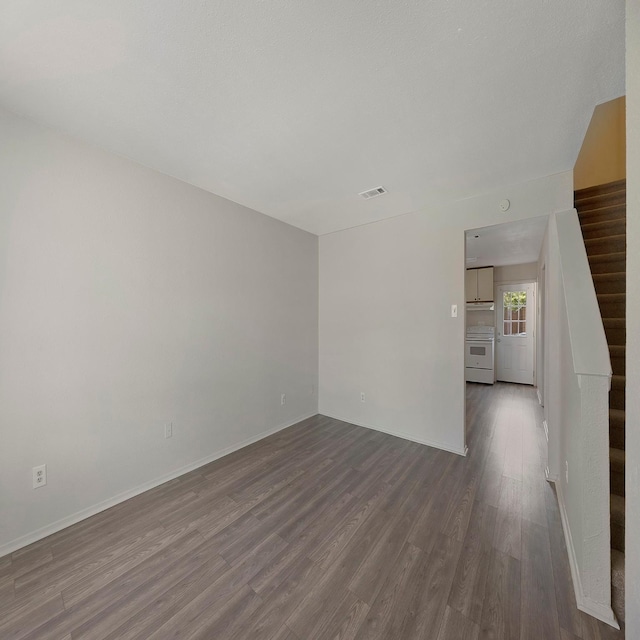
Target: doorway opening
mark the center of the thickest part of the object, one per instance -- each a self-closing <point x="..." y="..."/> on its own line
<point x="508" y="318"/>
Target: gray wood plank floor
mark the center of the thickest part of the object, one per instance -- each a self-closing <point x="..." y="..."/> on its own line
<point x="324" y="530"/>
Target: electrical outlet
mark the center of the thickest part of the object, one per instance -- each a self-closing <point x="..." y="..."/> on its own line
<point x="39" y="476"/>
<point x="566" y="470"/>
<point x="362" y="397"/>
<point x="283" y="399"/>
<point x="168" y="430"/>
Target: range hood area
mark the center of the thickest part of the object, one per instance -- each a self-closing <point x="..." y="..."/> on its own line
<point x="480" y="306"/>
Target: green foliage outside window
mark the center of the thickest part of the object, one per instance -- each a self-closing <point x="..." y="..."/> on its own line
<point x="515" y="299"/>
<point x="514" y="304"/>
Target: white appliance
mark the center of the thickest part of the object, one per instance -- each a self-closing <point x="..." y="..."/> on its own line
<point x="479" y="354"/>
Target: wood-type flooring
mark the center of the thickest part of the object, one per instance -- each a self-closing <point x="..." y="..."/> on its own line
<point x="323" y="530"/>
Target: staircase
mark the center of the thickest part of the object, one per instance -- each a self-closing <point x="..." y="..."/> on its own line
<point x="602" y="214"/>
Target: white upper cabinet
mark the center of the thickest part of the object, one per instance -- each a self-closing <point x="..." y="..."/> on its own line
<point x="478" y="284"/>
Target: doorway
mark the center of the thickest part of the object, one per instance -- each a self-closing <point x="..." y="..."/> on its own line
<point x="515" y="333"/>
<point x="513" y="249"/>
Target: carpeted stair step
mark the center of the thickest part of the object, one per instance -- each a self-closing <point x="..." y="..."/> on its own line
<point x="617" y="352"/>
<point x="612" y="305"/>
<point x="598" y="189"/>
<point x="617" y="583"/>
<point x="610" y="282"/>
<point x="617" y="522"/>
<point x="599" y="201"/>
<point x="608" y="263"/>
<point x="616" y="457"/>
<point x="615" y="330"/>
<point x="609" y="227"/>
<point x="602" y="214"/>
<point x="616" y="395"/>
<point x="616" y="428"/>
<point x="609" y="244"/>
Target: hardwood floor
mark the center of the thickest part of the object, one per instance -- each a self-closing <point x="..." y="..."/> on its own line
<point x="324" y="530"/>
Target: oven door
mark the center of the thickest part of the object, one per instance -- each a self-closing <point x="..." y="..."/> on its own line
<point x="479" y="354"/>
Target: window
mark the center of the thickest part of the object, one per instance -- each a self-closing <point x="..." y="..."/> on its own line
<point x="478" y="351"/>
<point x="514" y="305"/>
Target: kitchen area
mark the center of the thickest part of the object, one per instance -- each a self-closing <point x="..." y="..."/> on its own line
<point x="500" y="323"/>
<point x="501" y="301"/>
<point x="479" y="355"/>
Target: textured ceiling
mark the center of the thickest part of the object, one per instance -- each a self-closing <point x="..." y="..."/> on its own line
<point x="293" y="108"/>
<point x="517" y="242"/>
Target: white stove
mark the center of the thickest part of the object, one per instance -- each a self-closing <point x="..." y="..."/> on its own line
<point x="479" y="354"/>
<point x="480" y="332"/>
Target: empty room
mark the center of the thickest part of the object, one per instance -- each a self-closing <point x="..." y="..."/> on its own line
<point x="316" y="320"/>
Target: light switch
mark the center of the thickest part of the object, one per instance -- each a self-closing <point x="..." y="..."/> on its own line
<point x="454" y="310"/>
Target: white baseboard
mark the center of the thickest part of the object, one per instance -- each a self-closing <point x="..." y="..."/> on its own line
<point x="63" y="523"/>
<point x="545" y="426"/>
<point x="596" y="609"/>
<point x="401" y="434"/>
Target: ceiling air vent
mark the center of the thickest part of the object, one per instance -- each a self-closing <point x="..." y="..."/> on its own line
<point x="373" y="193"/>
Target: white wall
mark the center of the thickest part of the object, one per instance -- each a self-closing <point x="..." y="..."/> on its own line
<point x="129" y="299"/>
<point x="576" y="408"/>
<point x="516" y="273"/>
<point x="632" y="556"/>
<point x="385" y="327"/>
<point x="549" y="346"/>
